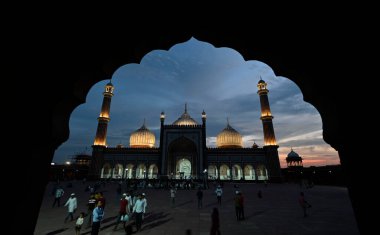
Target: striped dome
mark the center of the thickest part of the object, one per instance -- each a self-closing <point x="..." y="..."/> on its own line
<point x="142" y="138"/>
<point x="229" y="138"/>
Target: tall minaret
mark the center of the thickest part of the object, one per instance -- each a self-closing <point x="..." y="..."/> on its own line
<point x="161" y="164"/>
<point x="104" y="117"/>
<point x="266" y="115"/>
<point x="97" y="160"/>
<point x="270" y="144"/>
<point x="204" y="147"/>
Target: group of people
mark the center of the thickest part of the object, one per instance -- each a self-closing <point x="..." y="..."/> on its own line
<point x="131" y="207"/>
<point x="135" y="207"/>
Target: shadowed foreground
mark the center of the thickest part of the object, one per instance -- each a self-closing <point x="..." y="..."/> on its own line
<point x="277" y="213"/>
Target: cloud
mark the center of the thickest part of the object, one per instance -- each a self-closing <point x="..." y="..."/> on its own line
<point x="216" y="80"/>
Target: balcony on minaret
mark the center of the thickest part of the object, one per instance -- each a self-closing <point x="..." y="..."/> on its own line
<point x="266" y="114"/>
<point x="104" y="115"/>
<point x="100" y="142"/>
<point x="270" y="142"/>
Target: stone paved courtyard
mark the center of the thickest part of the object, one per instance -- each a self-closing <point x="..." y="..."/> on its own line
<point x="277" y="213"/>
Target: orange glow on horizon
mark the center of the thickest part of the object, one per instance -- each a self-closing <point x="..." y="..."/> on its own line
<point x="311" y="155"/>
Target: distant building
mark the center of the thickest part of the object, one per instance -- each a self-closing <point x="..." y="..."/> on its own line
<point x="293" y="160"/>
<point x="182" y="152"/>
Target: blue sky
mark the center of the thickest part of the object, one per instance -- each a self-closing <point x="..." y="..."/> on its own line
<point x="217" y="80"/>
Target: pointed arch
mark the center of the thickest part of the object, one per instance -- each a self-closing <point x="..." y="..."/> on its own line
<point x="106" y="171"/>
<point x="249" y="172"/>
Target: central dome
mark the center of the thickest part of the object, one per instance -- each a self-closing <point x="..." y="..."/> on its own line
<point x="185" y="119"/>
<point x="142" y="138"/>
<point x="229" y="138"/>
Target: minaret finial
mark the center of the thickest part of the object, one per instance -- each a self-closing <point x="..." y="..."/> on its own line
<point x="185" y="107"/>
<point x="228" y="121"/>
<point x="144" y="122"/>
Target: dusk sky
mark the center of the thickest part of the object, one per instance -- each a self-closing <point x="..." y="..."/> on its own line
<point x="217" y="80"/>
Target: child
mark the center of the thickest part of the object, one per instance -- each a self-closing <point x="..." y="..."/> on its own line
<point x="78" y="224"/>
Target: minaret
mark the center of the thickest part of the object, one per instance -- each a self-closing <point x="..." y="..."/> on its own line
<point x="266" y="115"/>
<point x="162" y="119"/>
<point x="100" y="144"/>
<point x="160" y="162"/>
<point x="270" y="144"/>
<point x="204" y="147"/>
<point x="104" y="117"/>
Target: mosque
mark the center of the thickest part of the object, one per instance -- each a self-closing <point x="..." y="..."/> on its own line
<point x="182" y="152"/>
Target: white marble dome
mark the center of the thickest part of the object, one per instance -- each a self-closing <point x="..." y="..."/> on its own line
<point x="229" y="138"/>
<point x="142" y="138"/>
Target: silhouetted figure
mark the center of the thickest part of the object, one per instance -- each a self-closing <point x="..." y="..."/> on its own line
<point x="90" y="207"/>
<point x="200" y="197"/>
<point x="237" y="205"/>
<point x="259" y="194"/>
<point x="215" y="225"/>
<point x="241" y="201"/>
<point x="58" y="193"/>
<point x="303" y="203"/>
<point x="219" y="193"/>
<point x="173" y="192"/>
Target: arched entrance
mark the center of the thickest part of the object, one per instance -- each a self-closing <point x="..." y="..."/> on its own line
<point x="183" y="168"/>
<point x="237" y="173"/>
<point x="262" y="173"/>
<point x="153" y="171"/>
<point x="118" y="171"/>
<point x="182" y="158"/>
<point x="249" y="173"/>
<point x="224" y="172"/>
<point x="106" y="171"/>
<point x="129" y="171"/>
<point x="212" y="172"/>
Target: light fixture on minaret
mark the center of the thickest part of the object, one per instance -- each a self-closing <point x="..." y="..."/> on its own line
<point x="104" y="117"/>
<point x="266" y="115"/>
<point x="162" y="117"/>
<point x="204" y="117"/>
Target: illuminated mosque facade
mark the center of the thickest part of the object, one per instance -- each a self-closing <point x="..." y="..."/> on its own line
<point x="182" y="152"/>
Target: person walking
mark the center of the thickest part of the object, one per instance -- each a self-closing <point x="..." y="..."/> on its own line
<point x="303" y="203"/>
<point x="200" y="197"/>
<point x="130" y="201"/>
<point x="72" y="206"/>
<point x="123" y="210"/>
<point x="219" y="193"/>
<point x="143" y="197"/>
<point x="215" y="223"/>
<point x="138" y="209"/>
<point x="237" y="205"/>
<point x="173" y="192"/>
<point x="90" y="207"/>
<point x="241" y="201"/>
<point x="259" y="194"/>
<point x="78" y="224"/>
<point x="97" y="216"/>
<point x="58" y="195"/>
